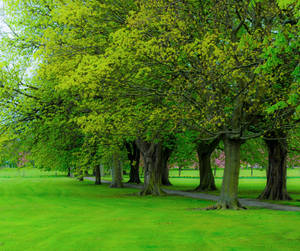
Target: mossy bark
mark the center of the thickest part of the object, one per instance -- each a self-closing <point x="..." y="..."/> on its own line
<point x="151" y="153"/>
<point x="133" y="154"/>
<point x="97" y="175"/>
<point x="204" y="151"/>
<point x="276" y="172"/>
<point x="116" y="172"/>
<point x="229" y="191"/>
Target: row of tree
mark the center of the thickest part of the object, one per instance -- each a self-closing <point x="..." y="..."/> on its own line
<point x="87" y="83"/>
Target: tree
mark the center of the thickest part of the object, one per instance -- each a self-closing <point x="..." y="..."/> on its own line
<point x="204" y="152"/>
<point x="134" y="157"/>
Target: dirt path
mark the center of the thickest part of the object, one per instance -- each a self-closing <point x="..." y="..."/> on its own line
<point x="210" y="197"/>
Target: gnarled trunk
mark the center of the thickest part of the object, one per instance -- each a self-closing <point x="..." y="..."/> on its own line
<point x="97" y="175"/>
<point x="116" y="172"/>
<point x="229" y="191"/>
<point x="276" y="171"/>
<point x="151" y="153"/>
<point x="166" y="154"/>
<point x="134" y="157"/>
<point x="204" y="151"/>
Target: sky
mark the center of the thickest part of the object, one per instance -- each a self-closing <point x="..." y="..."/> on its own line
<point x="3" y="27"/>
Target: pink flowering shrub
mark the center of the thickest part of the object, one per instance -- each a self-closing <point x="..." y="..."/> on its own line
<point x="22" y="160"/>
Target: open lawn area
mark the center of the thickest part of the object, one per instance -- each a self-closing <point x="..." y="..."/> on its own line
<point x="43" y="212"/>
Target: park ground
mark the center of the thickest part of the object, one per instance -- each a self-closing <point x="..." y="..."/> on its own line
<point x="48" y="211"/>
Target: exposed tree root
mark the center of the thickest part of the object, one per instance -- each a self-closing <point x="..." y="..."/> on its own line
<point x="206" y="188"/>
<point x="152" y="191"/>
<point x="226" y="206"/>
<point x="269" y="194"/>
<point x="116" y="185"/>
<point x="134" y="181"/>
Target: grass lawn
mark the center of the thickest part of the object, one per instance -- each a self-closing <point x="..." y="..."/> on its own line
<point x="43" y="212"/>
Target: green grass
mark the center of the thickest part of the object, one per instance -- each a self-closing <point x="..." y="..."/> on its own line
<point x="28" y="173"/>
<point x="58" y="213"/>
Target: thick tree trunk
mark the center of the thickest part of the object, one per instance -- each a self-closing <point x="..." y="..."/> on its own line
<point x="134" y="157"/>
<point x="229" y="191"/>
<point x="276" y="171"/>
<point x="207" y="180"/>
<point x="166" y="154"/>
<point x="97" y="175"/>
<point x="151" y="153"/>
<point x="204" y="151"/>
<point x="116" y="172"/>
<point x="69" y="172"/>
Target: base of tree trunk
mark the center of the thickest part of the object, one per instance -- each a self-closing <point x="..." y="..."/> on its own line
<point x="269" y="194"/>
<point x="117" y="185"/>
<point x="166" y="183"/>
<point x="134" y="180"/>
<point x="205" y="188"/>
<point x="157" y="191"/>
<point x="236" y="205"/>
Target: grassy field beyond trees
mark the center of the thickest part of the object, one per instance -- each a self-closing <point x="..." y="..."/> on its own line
<point x="44" y="212"/>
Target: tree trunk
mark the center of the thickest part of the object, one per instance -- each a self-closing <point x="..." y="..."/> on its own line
<point x="80" y="174"/>
<point x="166" y="154"/>
<point x="204" y="151"/>
<point x="276" y="171"/>
<point x="116" y="172"/>
<point x="69" y="172"/>
<point x="134" y="157"/>
<point x="207" y="181"/>
<point x="97" y="175"/>
<point x="229" y="192"/>
<point x="151" y="153"/>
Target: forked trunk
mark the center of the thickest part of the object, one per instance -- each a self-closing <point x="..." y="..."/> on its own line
<point x="116" y="172"/>
<point x="276" y="171"/>
<point x="207" y="180"/>
<point x="133" y="154"/>
<point x="97" y="175"/>
<point x="151" y="153"/>
<point x="204" y="151"/>
<point x="229" y="191"/>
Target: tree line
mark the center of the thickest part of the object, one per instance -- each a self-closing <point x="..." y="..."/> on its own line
<point x="88" y="83"/>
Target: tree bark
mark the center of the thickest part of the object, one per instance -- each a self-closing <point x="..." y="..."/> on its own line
<point x="166" y="154"/>
<point x="229" y="191"/>
<point x="97" y="175"/>
<point x="277" y="169"/>
<point x="204" y="151"/>
<point x="151" y="153"/>
<point x="134" y="157"/>
<point x="69" y="172"/>
<point x="116" y="172"/>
